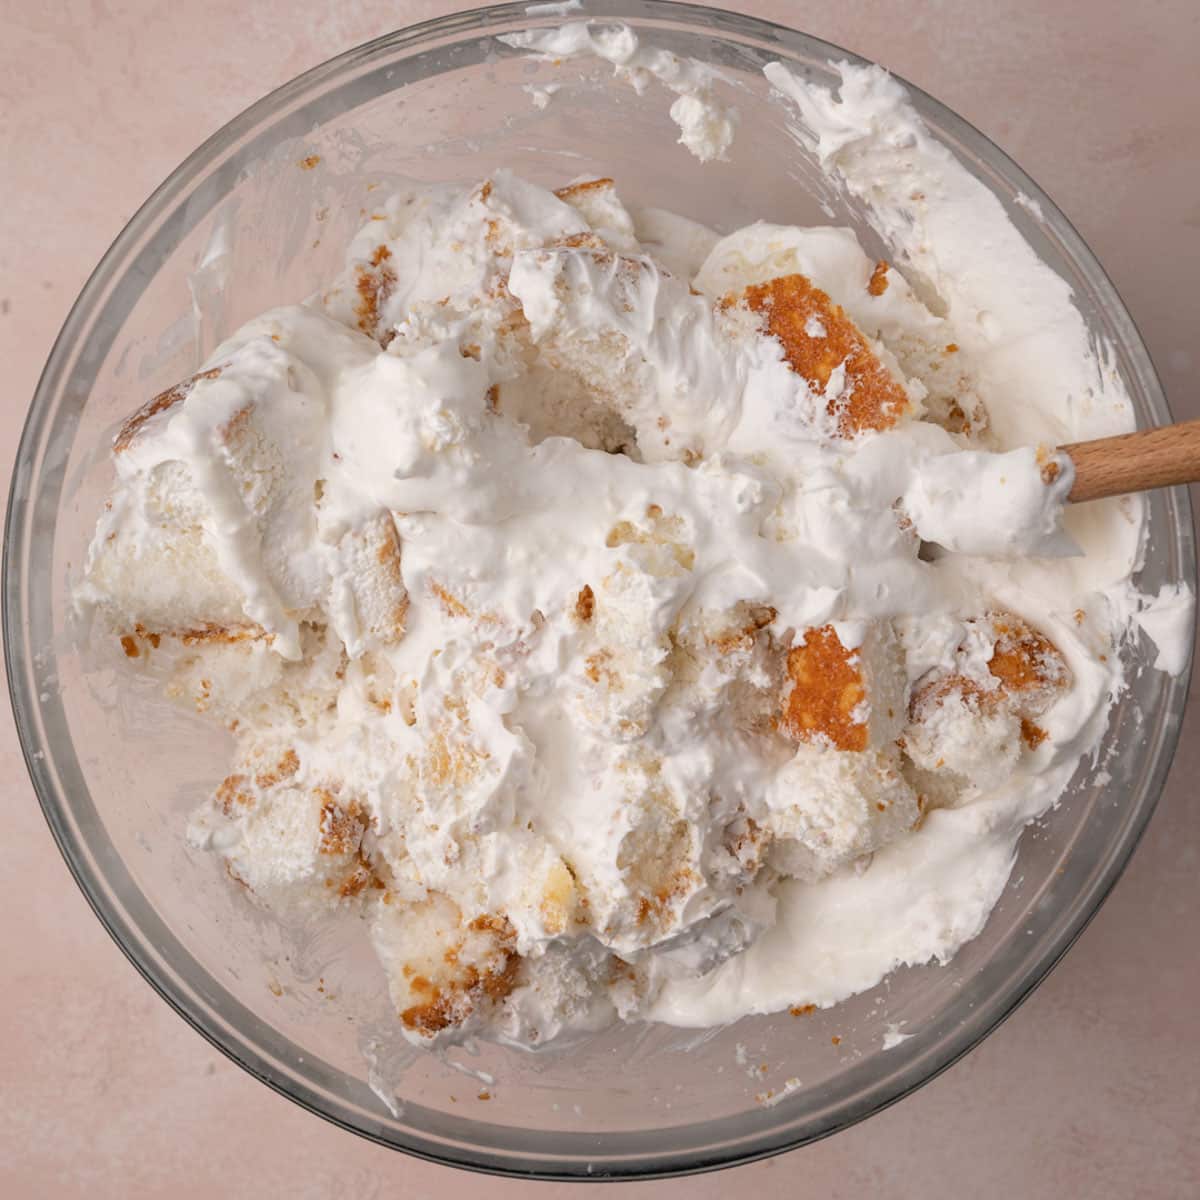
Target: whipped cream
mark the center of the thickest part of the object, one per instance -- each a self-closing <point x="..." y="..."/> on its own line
<point x="632" y="622"/>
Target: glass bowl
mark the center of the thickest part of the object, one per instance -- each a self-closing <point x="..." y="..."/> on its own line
<point x="259" y="215"/>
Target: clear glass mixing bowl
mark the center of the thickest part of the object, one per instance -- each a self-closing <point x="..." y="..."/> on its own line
<point x="248" y="222"/>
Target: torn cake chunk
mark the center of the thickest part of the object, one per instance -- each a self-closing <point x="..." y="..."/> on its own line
<point x="969" y="726"/>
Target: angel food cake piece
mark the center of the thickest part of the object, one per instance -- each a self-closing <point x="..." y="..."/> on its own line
<point x="569" y="619"/>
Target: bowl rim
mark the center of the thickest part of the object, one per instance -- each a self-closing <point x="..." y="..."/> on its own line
<point x="473" y="24"/>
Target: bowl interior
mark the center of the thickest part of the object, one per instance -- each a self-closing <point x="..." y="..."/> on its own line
<point x="248" y="223"/>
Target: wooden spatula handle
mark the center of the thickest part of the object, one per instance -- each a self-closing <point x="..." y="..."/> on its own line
<point x="1134" y="462"/>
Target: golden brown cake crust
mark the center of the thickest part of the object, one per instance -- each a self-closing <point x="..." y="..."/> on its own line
<point x="1029" y="666"/>
<point x="578" y="189"/>
<point x="827" y="688"/>
<point x="174" y="395"/>
<point x="788" y="304"/>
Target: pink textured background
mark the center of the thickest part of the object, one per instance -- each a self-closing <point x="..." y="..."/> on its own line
<point x="1091" y="1089"/>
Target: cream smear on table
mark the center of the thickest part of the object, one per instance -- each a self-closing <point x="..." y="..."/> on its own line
<point x="631" y="622"/>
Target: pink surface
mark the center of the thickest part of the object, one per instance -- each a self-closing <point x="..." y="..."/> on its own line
<point x="1091" y="1089"/>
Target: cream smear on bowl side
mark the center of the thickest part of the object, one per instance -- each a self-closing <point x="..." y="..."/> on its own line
<point x="621" y="618"/>
<point x="706" y="123"/>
